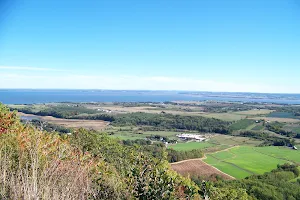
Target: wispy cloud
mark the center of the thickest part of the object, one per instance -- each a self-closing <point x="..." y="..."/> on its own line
<point x="29" y="68"/>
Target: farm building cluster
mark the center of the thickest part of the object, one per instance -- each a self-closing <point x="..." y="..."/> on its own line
<point x="196" y="137"/>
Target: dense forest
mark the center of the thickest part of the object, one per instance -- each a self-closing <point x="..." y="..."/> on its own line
<point x="59" y="111"/>
<point x="169" y="121"/>
<point x="158" y="149"/>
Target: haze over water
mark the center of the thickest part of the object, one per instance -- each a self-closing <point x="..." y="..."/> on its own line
<point x="21" y="96"/>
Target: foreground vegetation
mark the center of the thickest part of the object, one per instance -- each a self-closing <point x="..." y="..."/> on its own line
<point x="40" y="165"/>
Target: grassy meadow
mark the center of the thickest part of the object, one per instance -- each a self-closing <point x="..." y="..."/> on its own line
<point x="190" y="146"/>
<point x="130" y="133"/>
<point x="282" y="115"/>
<point x="233" y="140"/>
<point x="242" y="124"/>
<point x="243" y="161"/>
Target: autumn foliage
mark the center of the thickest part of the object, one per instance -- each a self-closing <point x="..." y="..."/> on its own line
<point x="35" y="164"/>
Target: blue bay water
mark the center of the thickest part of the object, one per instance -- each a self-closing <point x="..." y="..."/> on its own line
<point x="19" y="96"/>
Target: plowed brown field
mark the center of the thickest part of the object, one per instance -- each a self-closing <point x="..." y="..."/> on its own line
<point x="196" y="167"/>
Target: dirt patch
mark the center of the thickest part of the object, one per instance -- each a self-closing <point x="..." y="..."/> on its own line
<point x="196" y="167"/>
<point x="72" y="123"/>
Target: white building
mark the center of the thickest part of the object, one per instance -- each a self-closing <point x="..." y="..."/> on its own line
<point x="191" y="137"/>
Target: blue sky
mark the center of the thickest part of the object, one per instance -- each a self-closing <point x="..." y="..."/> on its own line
<point x="207" y="45"/>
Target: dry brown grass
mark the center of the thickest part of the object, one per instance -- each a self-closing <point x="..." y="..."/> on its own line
<point x="38" y="165"/>
<point x="33" y="166"/>
<point x="73" y="123"/>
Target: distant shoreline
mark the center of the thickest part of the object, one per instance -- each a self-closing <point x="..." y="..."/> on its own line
<point x="27" y="96"/>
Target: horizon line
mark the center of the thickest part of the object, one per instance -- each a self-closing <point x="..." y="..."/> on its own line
<point x="144" y="90"/>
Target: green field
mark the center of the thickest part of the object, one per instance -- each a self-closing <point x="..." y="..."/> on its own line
<point x="244" y="161"/>
<point x="282" y="153"/>
<point x="242" y="124"/>
<point x="258" y="128"/>
<point x="222" y="141"/>
<point x="292" y="127"/>
<point x="230" y="116"/>
<point x="132" y="134"/>
<point x="254" y="112"/>
<point x="190" y="146"/>
<point x="227" y="168"/>
<point x="234" y="140"/>
<point x="239" y="115"/>
<point x="282" y="115"/>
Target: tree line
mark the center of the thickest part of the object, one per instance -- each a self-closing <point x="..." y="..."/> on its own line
<point x="278" y="128"/>
<point x="158" y="149"/>
<point x="169" y="121"/>
<point x="155" y="121"/>
<point x="268" y="140"/>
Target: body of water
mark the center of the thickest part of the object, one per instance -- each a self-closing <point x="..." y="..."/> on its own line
<point x="48" y="96"/>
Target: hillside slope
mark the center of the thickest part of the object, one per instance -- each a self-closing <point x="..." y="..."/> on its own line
<point x="36" y="164"/>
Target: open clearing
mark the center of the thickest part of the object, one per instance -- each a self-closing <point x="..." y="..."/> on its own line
<point x="242" y="124"/>
<point x="196" y="167"/>
<point x="283" y="115"/>
<point x="216" y="143"/>
<point x="130" y="134"/>
<point x="274" y="119"/>
<point x="190" y="146"/>
<point x="182" y="110"/>
<point x="244" y="161"/>
<point x="235" y="116"/>
<point x="149" y="109"/>
<point x="71" y="123"/>
<point x="223" y="116"/>
<point x="229" y="140"/>
<point x="254" y="112"/>
<point x="292" y="127"/>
